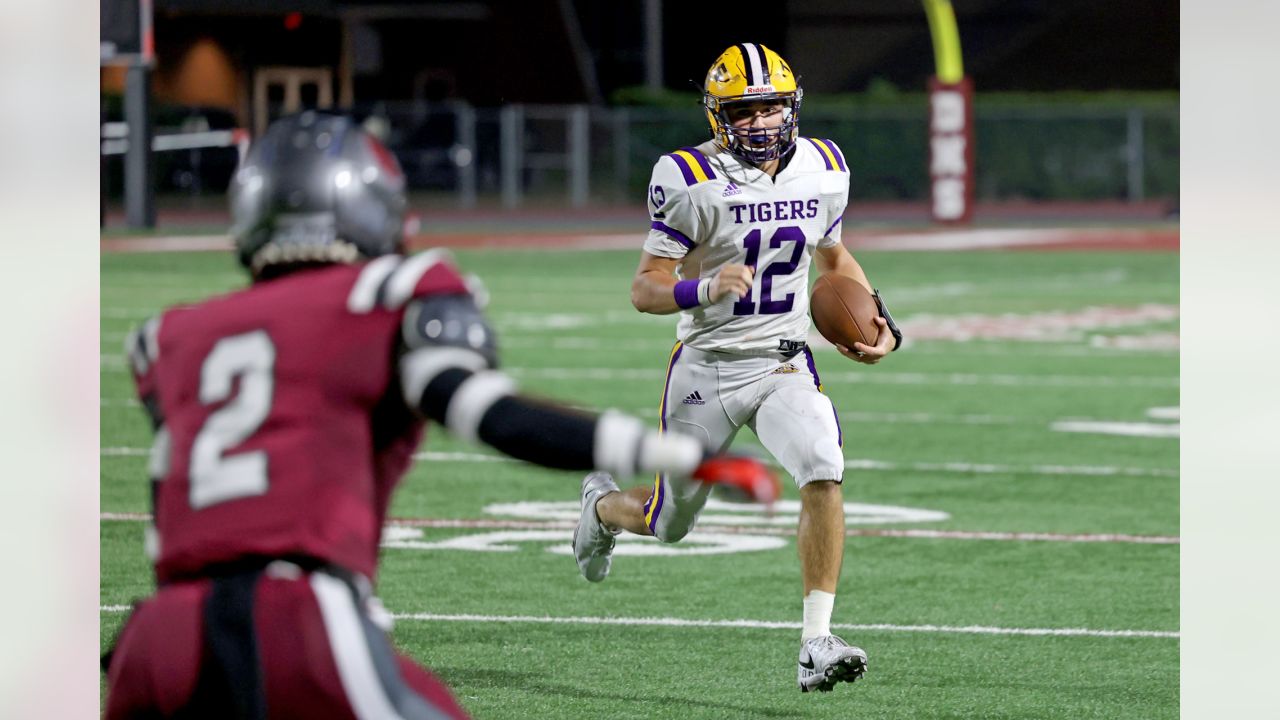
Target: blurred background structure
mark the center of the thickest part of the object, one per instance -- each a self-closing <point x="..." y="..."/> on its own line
<point x="494" y="105"/>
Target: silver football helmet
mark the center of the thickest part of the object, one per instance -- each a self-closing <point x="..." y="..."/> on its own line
<point x="316" y="188"/>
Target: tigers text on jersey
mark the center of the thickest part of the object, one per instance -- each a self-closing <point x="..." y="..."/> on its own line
<point x="711" y="209"/>
<point x="284" y="429"/>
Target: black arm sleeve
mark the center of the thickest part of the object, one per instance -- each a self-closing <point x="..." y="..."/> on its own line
<point x="435" y="399"/>
<point x="523" y="428"/>
<point x="540" y="433"/>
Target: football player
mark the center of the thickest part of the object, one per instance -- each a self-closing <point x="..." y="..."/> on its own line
<point x="284" y="416"/>
<point x="735" y="222"/>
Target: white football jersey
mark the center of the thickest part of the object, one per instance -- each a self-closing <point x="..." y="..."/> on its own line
<point x="711" y="209"/>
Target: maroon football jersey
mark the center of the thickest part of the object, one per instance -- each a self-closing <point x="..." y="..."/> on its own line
<point x="287" y="430"/>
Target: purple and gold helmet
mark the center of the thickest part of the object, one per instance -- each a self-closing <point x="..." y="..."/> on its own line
<point x="316" y="188"/>
<point x="749" y="72"/>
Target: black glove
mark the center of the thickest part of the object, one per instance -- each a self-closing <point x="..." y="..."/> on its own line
<point x="884" y="313"/>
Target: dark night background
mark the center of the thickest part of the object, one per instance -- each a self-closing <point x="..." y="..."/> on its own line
<point x="495" y="51"/>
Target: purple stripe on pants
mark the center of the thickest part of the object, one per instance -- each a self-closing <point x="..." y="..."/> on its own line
<point x="666" y="385"/>
<point x="657" y="498"/>
<point x="659" y="493"/>
<point x="813" y="370"/>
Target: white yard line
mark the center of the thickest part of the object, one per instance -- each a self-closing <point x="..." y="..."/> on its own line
<point x="172" y="243"/>
<point x="872" y="377"/>
<point x="846" y="416"/>
<point x="964" y="240"/>
<point x="119" y="402"/>
<point x="998" y="469"/>
<point x="944" y="240"/>
<point x="852" y="464"/>
<point x="1029" y="350"/>
<point x="757" y="625"/>
<point x="1127" y="429"/>
<point x="817" y="344"/>
<point x="921" y="534"/>
<point x="126" y="313"/>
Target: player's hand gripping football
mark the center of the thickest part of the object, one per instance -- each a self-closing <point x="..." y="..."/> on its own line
<point x="743" y="475"/>
<point x="732" y="281"/>
<point x="871" y="354"/>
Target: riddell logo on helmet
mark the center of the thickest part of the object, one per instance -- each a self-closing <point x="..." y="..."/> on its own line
<point x="760" y="89"/>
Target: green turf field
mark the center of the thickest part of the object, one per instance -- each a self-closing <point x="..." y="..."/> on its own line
<point x="956" y="625"/>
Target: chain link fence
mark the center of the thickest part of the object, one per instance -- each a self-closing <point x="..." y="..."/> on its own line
<point x="582" y="155"/>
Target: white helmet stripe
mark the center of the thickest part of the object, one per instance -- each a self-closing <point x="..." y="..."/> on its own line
<point x="759" y="68"/>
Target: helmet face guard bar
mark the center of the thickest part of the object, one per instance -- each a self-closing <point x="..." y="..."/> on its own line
<point x="755" y="145"/>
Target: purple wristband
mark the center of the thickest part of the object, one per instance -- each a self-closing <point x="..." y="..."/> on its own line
<point x="687" y="294"/>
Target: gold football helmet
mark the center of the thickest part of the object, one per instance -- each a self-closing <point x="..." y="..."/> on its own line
<point x="750" y="72"/>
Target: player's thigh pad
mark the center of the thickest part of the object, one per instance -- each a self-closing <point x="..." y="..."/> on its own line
<point x="155" y="664"/>
<point x="367" y="669"/>
<point x="318" y="655"/>
<point x="797" y="424"/>
<point x="691" y="405"/>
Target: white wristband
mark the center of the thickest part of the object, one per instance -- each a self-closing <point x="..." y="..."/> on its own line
<point x="704" y="292"/>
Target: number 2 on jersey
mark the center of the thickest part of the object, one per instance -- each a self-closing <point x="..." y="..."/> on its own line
<point x="215" y="476"/>
<point x="769" y="306"/>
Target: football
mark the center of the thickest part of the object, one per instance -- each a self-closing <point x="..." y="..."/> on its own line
<point x="843" y="311"/>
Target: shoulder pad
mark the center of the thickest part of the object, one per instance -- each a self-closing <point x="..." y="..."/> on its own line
<point x="391" y="280"/>
<point x="693" y="165"/>
<point x="449" y="321"/>
<point x="829" y="153"/>
<point x="142" y="345"/>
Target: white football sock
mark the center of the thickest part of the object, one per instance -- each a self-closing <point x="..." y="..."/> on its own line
<point x="817" y="614"/>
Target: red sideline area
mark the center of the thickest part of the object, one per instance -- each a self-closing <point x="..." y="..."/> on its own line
<point x="1149" y="226"/>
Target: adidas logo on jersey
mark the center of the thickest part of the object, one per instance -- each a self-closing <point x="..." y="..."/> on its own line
<point x="731" y="190"/>
<point x="694" y="398"/>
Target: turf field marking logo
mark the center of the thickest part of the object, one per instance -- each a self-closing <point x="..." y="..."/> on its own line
<point x="560" y="542"/>
<point x="736" y="520"/>
<point x="720" y="512"/>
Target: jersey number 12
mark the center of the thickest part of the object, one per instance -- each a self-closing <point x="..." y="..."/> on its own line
<point x="769" y="306"/>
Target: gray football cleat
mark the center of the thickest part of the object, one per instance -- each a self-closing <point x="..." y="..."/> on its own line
<point x="827" y="660"/>
<point x="592" y="541"/>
